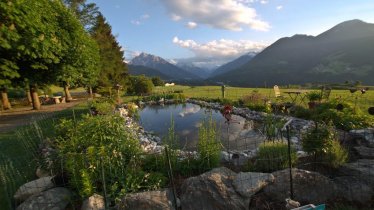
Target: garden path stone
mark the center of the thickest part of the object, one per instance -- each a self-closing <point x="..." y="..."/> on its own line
<point x="33" y="188"/>
<point x="150" y="200"/>
<point x="56" y="198"/>
<point x="212" y="190"/>
<point x="309" y="187"/>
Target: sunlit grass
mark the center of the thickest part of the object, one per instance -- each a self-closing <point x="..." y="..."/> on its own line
<point x="362" y="101"/>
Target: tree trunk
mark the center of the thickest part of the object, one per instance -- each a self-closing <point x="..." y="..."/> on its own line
<point x="35" y="98"/>
<point x="4" y="99"/>
<point x="67" y="93"/>
<point x="29" y="99"/>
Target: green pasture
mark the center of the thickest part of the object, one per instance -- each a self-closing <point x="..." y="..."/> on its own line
<point x="362" y="101"/>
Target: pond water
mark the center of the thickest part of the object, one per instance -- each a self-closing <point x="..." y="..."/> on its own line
<point x="239" y="134"/>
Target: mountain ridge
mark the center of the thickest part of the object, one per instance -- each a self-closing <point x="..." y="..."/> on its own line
<point x="336" y="55"/>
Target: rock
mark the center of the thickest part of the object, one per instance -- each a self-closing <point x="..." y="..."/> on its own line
<point x="309" y="187"/>
<point x="212" y="190"/>
<point x="365" y="152"/>
<point x="353" y="190"/>
<point x="367" y="134"/>
<point x="152" y="200"/>
<point x="247" y="184"/>
<point x="362" y="169"/>
<point x="33" y="188"/>
<point x="56" y="198"/>
<point x="94" y="202"/>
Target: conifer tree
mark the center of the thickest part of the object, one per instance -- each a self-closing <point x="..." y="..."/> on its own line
<point x="113" y="69"/>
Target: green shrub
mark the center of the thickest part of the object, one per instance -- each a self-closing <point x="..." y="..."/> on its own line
<point x="95" y="147"/>
<point x="336" y="154"/>
<point x="300" y="112"/>
<point x="346" y="119"/>
<point x="322" y="142"/>
<point x="102" y="106"/>
<point x="314" y="96"/>
<point x="209" y="146"/>
<point x="273" y="156"/>
<point x="272" y="127"/>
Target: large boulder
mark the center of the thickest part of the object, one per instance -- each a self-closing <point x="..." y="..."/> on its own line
<point x="249" y="183"/>
<point x="152" y="200"/>
<point x="212" y="190"/>
<point x="362" y="169"/>
<point x="55" y="198"/>
<point x="33" y="188"/>
<point x="308" y="187"/>
<point x="94" y="202"/>
<point x="366" y="134"/>
<point x="354" y="190"/>
<point x="365" y="152"/>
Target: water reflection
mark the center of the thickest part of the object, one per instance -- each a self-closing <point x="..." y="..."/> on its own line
<point x="240" y="134"/>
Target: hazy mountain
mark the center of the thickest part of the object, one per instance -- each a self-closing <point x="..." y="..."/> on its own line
<point x="149" y="72"/>
<point x="345" y="52"/>
<point x="190" y="67"/>
<point x="163" y="66"/>
<point x="233" y="64"/>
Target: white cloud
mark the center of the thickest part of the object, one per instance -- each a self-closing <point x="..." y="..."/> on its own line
<point x="136" y="22"/>
<point x="222" y="14"/>
<point x="279" y="7"/>
<point x="191" y="25"/>
<point x="263" y="1"/>
<point x="220" y="48"/>
<point x="140" y="20"/>
<point x="175" y="17"/>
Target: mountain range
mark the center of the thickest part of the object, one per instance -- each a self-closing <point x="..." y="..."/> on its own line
<point x="157" y="65"/>
<point x="342" y="53"/>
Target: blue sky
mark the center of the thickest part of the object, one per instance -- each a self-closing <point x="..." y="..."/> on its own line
<point x="221" y="29"/>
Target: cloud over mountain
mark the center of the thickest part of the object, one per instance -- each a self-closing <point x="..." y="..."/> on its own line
<point x="220" y="48"/>
<point x="222" y="14"/>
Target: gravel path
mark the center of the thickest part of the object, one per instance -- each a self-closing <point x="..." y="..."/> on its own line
<point x="11" y="119"/>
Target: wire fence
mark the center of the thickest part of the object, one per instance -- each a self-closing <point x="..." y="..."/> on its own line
<point x="268" y="171"/>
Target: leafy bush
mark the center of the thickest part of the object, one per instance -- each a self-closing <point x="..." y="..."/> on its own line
<point x="273" y="156"/>
<point x="300" y="112"/>
<point x="102" y="106"/>
<point x="157" y="81"/>
<point x="336" y="154"/>
<point x="140" y="85"/>
<point x="322" y="143"/>
<point x="347" y="118"/>
<point x="209" y="146"/>
<point x="95" y="147"/>
<point x="314" y="96"/>
<point x="272" y="127"/>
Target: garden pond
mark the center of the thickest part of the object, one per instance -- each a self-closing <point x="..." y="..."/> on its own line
<point x="239" y="134"/>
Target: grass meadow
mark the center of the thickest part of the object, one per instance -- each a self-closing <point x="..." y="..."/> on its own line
<point x="362" y="101"/>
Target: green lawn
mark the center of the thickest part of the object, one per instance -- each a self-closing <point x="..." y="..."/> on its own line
<point x="18" y="152"/>
<point x="363" y="101"/>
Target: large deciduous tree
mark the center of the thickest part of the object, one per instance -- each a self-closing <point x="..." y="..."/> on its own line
<point x="113" y="69"/>
<point x="43" y="43"/>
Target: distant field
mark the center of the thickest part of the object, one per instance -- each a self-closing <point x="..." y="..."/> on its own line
<point x="363" y="101"/>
